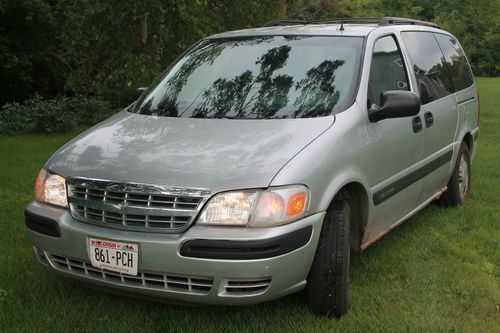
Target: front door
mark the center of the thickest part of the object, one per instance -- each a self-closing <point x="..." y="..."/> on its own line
<point x="395" y="145"/>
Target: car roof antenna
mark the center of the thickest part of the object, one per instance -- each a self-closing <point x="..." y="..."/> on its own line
<point x="341" y="25"/>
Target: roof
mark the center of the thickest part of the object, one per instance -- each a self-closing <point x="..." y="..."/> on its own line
<point x="354" y="26"/>
<point x="309" y="29"/>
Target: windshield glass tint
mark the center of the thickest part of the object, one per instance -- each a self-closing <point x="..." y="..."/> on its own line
<point x="260" y="77"/>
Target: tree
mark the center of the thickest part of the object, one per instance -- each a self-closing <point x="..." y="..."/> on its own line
<point x="320" y="9"/>
<point x="477" y="27"/>
<point x="28" y="50"/>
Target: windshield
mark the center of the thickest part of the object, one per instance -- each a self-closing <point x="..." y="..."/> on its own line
<point x="259" y="78"/>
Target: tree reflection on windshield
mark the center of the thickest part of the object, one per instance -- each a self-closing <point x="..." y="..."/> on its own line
<point x="318" y="95"/>
<point x="227" y="95"/>
<point x="261" y="77"/>
<point x="169" y="102"/>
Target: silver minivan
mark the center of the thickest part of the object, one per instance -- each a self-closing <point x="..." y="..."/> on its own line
<point x="260" y="161"/>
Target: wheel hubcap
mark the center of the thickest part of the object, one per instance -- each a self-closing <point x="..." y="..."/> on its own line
<point x="463" y="176"/>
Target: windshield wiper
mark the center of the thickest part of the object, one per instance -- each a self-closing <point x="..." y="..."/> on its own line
<point x="232" y="117"/>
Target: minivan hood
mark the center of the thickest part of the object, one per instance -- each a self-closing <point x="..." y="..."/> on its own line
<point x="218" y="154"/>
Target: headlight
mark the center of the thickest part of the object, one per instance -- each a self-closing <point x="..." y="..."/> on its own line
<point x="51" y="188"/>
<point x="256" y="208"/>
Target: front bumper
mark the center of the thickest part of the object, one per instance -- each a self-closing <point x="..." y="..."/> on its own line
<point x="166" y="274"/>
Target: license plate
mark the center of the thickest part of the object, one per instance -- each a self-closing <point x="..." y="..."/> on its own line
<point x="114" y="256"/>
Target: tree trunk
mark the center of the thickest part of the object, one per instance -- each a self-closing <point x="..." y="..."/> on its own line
<point x="144" y="37"/>
<point x="281" y="8"/>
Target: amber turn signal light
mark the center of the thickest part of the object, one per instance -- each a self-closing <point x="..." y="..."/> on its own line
<point x="296" y="204"/>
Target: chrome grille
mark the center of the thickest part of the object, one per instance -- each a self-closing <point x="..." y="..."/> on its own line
<point x="133" y="206"/>
<point x="168" y="282"/>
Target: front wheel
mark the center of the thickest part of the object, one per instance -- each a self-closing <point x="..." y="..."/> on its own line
<point x="459" y="185"/>
<point x="328" y="280"/>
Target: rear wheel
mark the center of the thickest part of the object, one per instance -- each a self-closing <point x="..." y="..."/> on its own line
<point x="328" y="280"/>
<point x="459" y="185"/>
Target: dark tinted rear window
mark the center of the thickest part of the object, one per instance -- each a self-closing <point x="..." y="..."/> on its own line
<point x="457" y="63"/>
<point x="430" y="68"/>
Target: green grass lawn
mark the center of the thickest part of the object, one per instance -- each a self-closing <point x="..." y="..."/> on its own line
<point x="439" y="271"/>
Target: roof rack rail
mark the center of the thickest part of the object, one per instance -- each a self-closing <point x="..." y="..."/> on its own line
<point x="381" y="21"/>
<point x="276" y="23"/>
<point x="401" y="20"/>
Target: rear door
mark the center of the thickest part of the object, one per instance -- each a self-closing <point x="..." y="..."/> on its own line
<point x="463" y="82"/>
<point x="439" y="109"/>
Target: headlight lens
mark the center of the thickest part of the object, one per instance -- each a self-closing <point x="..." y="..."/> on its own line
<point x="51" y="188"/>
<point x="256" y="208"/>
<point x="229" y="208"/>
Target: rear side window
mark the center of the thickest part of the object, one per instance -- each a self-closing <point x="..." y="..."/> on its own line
<point x="457" y="63"/>
<point x="387" y="71"/>
<point x="429" y="65"/>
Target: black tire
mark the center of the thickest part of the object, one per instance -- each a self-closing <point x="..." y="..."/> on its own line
<point x="459" y="184"/>
<point x="328" y="280"/>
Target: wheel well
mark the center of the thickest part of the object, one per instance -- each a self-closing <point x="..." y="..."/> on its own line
<point x="357" y="197"/>
<point x="468" y="141"/>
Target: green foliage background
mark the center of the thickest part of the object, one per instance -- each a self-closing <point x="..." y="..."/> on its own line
<point x="105" y="49"/>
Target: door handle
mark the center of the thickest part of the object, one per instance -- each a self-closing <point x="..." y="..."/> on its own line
<point x="417" y="124"/>
<point x="429" y="119"/>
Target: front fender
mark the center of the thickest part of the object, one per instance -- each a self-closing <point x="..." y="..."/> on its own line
<point x="329" y="162"/>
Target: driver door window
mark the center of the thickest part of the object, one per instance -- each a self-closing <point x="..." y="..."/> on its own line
<point x="387" y="70"/>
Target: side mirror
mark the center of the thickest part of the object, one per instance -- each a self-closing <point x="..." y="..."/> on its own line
<point x="140" y="91"/>
<point x="395" y="104"/>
